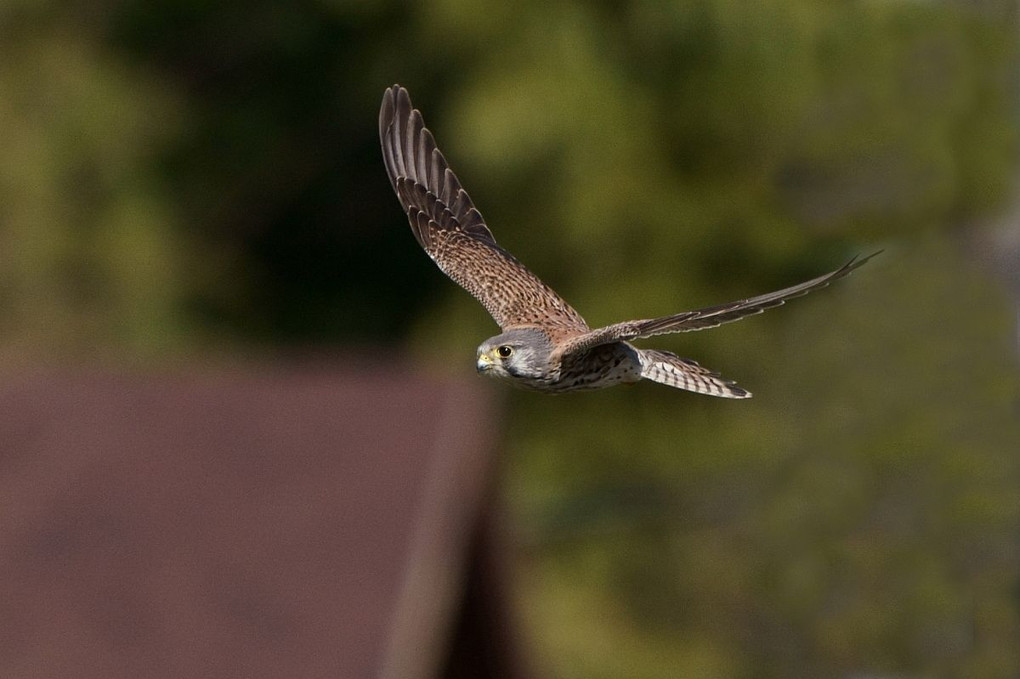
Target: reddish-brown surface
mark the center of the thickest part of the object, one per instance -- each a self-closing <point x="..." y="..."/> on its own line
<point x="233" y="524"/>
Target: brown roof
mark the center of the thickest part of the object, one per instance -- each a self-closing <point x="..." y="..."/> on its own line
<point x="282" y="523"/>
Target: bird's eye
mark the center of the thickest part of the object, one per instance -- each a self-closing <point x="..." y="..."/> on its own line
<point x="504" y="351"/>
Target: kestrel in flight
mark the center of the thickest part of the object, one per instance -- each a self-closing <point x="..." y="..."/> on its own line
<point x="545" y="345"/>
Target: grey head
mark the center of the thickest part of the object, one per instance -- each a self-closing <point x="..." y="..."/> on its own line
<point x="521" y="355"/>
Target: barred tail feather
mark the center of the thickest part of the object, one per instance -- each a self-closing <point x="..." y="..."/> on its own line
<point x="682" y="373"/>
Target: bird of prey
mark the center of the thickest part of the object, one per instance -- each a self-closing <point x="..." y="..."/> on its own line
<point x="544" y="345"/>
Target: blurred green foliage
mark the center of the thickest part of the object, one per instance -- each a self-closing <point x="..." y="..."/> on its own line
<point x="185" y="179"/>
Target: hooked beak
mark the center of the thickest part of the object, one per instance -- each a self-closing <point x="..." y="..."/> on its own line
<point x="484" y="363"/>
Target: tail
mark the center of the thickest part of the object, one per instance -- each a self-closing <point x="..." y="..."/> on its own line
<point x="683" y="373"/>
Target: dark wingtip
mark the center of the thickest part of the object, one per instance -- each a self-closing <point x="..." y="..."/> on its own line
<point x="394" y="91"/>
<point x="400" y="96"/>
<point x="393" y="96"/>
<point x="855" y="263"/>
<point x="386" y="111"/>
<point x="861" y="261"/>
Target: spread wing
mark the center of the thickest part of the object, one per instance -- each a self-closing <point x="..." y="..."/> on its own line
<point x="450" y="229"/>
<point x="708" y="317"/>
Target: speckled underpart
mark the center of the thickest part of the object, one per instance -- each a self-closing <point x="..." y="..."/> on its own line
<point x="545" y="344"/>
<point x="602" y="366"/>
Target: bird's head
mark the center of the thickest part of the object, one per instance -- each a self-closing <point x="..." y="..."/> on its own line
<point x="523" y="353"/>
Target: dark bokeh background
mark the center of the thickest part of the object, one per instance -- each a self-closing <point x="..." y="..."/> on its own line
<point x="188" y="181"/>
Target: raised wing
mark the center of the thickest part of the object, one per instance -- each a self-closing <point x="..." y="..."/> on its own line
<point x="450" y="229"/>
<point x="708" y="317"/>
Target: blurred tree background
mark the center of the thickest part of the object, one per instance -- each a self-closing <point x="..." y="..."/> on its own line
<point x="183" y="180"/>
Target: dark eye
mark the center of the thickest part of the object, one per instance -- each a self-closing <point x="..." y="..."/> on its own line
<point x="505" y="351"/>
